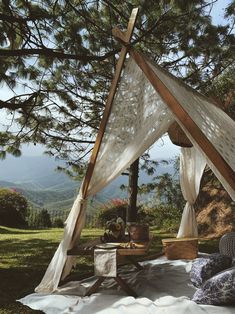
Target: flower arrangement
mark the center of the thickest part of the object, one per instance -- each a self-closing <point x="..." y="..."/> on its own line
<point x="114" y="230"/>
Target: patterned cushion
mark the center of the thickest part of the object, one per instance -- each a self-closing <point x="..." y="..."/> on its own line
<point x="206" y="267"/>
<point x="218" y="290"/>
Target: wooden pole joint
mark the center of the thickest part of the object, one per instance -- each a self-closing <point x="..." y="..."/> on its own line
<point x="125" y="37"/>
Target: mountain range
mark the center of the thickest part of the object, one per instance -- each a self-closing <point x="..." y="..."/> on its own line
<point x="36" y="178"/>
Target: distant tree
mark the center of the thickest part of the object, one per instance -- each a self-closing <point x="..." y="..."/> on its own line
<point x="58" y="223"/>
<point x="222" y="90"/>
<point x="13" y="208"/>
<point x="31" y="217"/>
<point x="166" y="189"/>
<point x="39" y="218"/>
<point x="167" y="197"/>
<point x="43" y="219"/>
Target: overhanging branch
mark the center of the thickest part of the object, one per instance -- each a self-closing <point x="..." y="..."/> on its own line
<point x="50" y="53"/>
<point x="66" y="139"/>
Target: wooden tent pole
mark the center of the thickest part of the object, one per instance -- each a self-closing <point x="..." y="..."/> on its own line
<point x="127" y="36"/>
<point x="210" y="151"/>
<point x="103" y="123"/>
<point x="108" y="106"/>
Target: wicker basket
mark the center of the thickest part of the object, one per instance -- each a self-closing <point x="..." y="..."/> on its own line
<point x="177" y="136"/>
<point x="183" y="248"/>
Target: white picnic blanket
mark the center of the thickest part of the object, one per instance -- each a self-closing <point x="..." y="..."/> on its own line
<point x="163" y="287"/>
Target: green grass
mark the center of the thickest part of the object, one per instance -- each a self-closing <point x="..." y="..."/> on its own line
<point x="25" y="254"/>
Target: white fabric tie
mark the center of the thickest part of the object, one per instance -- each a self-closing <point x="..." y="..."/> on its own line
<point x="192" y="165"/>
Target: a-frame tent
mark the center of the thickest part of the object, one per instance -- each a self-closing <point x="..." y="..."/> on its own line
<point x="142" y="104"/>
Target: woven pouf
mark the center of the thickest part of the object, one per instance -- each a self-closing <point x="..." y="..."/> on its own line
<point x="227" y="244"/>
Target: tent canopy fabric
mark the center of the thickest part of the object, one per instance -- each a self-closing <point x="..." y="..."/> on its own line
<point x="147" y="101"/>
<point x="209" y="118"/>
<point x="138" y="118"/>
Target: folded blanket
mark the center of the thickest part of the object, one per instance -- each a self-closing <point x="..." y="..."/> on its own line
<point x="105" y="262"/>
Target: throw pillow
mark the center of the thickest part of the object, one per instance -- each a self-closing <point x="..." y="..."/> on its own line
<point x="218" y="290"/>
<point x="206" y="267"/>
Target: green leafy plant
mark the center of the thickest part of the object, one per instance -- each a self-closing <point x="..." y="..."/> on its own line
<point x="115" y="208"/>
<point x="13" y="208"/>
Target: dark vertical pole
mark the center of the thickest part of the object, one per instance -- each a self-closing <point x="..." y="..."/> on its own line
<point x="132" y="191"/>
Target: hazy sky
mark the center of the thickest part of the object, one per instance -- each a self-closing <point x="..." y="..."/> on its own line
<point x="163" y="148"/>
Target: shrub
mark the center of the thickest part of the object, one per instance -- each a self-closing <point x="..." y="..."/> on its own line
<point x="147" y="215"/>
<point x="167" y="217"/>
<point x="13" y="208"/>
<point x="113" y="209"/>
<point x="162" y="216"/>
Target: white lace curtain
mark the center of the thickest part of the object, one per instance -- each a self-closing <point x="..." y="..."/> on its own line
<point x="192" y="165"/>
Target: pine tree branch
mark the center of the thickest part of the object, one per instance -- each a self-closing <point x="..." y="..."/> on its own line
<point x="66" y="139"/>
<point x="50" y="53"/>
<point x="16" y="19"/>
<point x="9" y="104"/>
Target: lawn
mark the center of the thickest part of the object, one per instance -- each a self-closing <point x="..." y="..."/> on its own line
<point x="25" y="254"/>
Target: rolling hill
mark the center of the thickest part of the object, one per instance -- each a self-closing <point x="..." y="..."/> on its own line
<point x="37" y="179"/>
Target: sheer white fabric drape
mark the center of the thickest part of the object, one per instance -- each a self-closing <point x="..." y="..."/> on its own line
<point x="138" y="119"/>
<point x="216" y="125"/>
<point x="192" y="165"/>
<point x="53" y="273"/>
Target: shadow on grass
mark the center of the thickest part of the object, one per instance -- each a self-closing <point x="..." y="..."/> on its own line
<point x="31" y="258"/>
<point x="16" y="283"/>
<point x="8" y="231"/>
<point x="29" y="253"/>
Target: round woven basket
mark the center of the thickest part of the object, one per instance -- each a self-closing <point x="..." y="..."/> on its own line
<point x="177" y="136"/>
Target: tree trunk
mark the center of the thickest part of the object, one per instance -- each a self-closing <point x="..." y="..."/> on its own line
<point x="132" y="191"/>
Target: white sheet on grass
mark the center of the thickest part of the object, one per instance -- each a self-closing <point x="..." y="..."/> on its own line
<point x="163" y="288"/>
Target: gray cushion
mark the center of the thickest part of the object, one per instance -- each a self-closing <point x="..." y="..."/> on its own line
<point x="206" y="267"/>
<point x="218" y="290"/>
